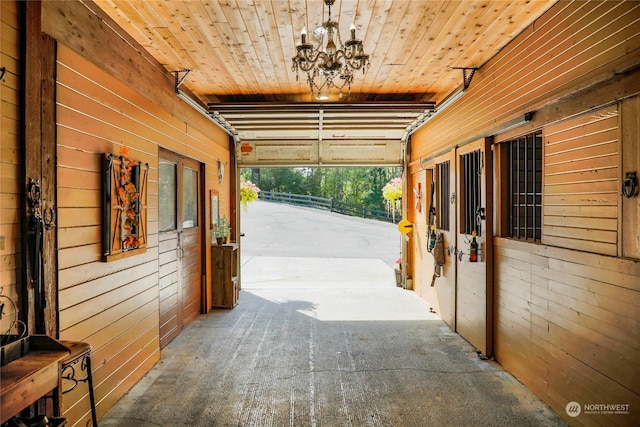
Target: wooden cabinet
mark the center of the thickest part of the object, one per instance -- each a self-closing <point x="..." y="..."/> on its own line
<point x="224" y="275"/>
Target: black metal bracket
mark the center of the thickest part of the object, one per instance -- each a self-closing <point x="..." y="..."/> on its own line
<point x="629" y="185"/>
<point x="179" y="80"/>
<point x="3" y="71"/>
<point x="466" y="79"/>
<point x="69" y="373"/>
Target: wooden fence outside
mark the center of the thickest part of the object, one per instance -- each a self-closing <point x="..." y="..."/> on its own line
<point x="330" y="204"/>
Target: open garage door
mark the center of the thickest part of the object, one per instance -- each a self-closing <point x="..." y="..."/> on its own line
<point x="321" y="135"/>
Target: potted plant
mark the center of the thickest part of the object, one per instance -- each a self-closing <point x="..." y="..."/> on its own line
<point x="392" y="194"/>
<point x="222" y="230"/>
<point x="248" y="193"/>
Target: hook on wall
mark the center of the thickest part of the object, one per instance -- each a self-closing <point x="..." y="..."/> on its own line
<point x="3" y="71"/>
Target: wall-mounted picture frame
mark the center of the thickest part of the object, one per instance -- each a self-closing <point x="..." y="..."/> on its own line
<point x="214" y="200"/>
<point x="124" y="207"/>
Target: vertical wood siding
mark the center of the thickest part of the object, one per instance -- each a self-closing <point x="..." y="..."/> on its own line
<point x="114" y="306"/>
<point x="630" y="134"/>
<point x="568" y="326"/>
<point x="581" y="185"/>
<point x="10" y="162"/>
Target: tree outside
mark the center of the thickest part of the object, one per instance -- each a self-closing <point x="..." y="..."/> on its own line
<point x="353" y="185"/>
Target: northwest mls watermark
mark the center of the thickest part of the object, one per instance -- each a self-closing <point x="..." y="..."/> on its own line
<point x="574" y="409"/>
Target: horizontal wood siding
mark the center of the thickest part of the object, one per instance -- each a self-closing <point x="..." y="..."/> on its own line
<point x="565" y="319"/>
<point x="11" y="181"/>
<point x="116" y="306"/>
<point x="573" y="46"/>
<point x="569" y="326"/>
<point x="580" y="184"/>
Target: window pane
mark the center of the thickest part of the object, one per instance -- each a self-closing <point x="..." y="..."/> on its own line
<point x="189" y="197"/>
<point x="167" y="190"/>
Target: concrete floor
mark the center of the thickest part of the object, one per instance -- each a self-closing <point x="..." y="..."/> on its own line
<point x="321" y="341"/>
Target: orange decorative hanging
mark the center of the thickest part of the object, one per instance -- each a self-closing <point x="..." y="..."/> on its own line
<point x="124" y="214"/>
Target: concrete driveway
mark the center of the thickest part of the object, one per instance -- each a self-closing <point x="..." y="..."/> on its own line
<point x="289" y="246"/>
<point x="289" y="231"/>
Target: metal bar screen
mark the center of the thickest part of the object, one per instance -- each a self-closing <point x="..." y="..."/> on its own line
<point x="525" y="158"/>
<point x="444" y="191"/>
<point x="472" y="174"/>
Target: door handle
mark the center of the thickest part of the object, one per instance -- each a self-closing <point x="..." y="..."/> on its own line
<point x="179" y="250"/>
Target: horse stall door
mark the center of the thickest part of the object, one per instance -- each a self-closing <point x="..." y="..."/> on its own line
<point x="445" y="221"/>
<point x="473" y="295"/>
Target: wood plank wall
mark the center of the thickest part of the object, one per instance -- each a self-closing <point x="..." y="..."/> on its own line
<point x="630" y="117"/>
<point x="566" y="320"/>
<point x="10" y="163"/>
<point x="420" y="271"/>
<point x="581" y="182"/>
<point x="126" y="99"/>
<point x="568" y="326"/>
<point x="574" y="46"/>
<point x="114" y="306"/>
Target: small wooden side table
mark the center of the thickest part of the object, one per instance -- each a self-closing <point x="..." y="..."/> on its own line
<point x="31" y="377"/>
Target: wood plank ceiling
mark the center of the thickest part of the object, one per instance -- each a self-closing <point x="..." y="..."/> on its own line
<point x="240" y="56"/>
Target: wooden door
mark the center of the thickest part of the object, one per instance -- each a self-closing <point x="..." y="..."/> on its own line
<point x="190" y="243"/>
<point x="180" y="246"/>
<point x="473" y="291"/>
<point x="445" y="179"/>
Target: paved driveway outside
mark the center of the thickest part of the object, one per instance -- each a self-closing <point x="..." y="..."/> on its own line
<point x="276" y="230"/>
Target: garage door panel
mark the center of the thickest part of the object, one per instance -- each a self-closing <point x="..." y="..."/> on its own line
<point x="314" y="153"/>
